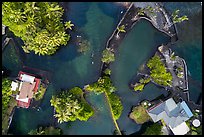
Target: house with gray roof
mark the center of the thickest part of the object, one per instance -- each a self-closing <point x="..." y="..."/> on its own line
<point x="174" y="115"/>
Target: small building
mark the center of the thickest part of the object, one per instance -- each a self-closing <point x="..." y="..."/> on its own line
<point x="174" y="115"/>
<point x="27" y="85"/>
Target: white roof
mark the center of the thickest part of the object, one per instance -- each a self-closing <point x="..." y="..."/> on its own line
<point x="196" y="123"/>
<point x="181" y="129"/>
<point x="23" y="100"/>
<point x="27" y="78"/>
<point x="14" y="86"/>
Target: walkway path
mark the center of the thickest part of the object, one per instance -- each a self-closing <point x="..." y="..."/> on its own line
<point x="114" y="120"/>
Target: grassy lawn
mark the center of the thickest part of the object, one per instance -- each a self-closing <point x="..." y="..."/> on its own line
<point x="5" y="116"/>
<point x="139" y="115"/>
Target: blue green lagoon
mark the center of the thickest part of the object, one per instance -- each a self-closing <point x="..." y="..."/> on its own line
<point x="96" y="21"/>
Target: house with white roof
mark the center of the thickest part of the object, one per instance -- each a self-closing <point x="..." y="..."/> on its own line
<point x="174" y="115"/>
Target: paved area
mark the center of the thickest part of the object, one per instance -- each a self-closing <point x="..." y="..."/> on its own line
<point x="181" y="82"/>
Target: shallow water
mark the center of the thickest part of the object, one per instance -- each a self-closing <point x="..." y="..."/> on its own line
<point x="69" y="69"/>
<point x="138" y="46"/>
<point x="96" y="22"/>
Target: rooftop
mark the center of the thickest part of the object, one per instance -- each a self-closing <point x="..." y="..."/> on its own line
<point x="27" y="87"/>
<point x="173" y="114"/>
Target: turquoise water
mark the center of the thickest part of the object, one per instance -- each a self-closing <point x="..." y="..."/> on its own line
<point x="140" y="43"/>
<point x="96" y="22"/>
<point x="70" y="69"/>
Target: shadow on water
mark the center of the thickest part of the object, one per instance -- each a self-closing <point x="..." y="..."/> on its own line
<point x="96" y="22"/>
<point x="110" y="10"/>
<point x="70" y="68"/>
<point x="143" y="128"/>
<point x="77" y="12"/>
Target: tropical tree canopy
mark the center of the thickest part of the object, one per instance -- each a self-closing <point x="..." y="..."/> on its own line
<point x="158" y="71"/>
<point x="116" y="105"/>
<point x="176" y="18"/>
<point x="70" y="105"/>
<point x="107" y="56"/>
<point x="139" y="86"/>
<point x="38" y="24"/>
<point x="6" y="94"/>
<point x="154" y="129"/>
<point x="102" y="85"/>
<point x="69" y="25"/>
<point x="107" y="71"/>
<point x="141" y="11"/>
<point x="121" y="28"/>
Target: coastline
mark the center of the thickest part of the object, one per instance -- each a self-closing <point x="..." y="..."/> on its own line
<point x="129" y="19"/>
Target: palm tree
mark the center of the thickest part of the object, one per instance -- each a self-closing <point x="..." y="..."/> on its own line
<point x="69" y="25"/>
<point x="140" y="11"/>
<point x="120" y="29"/>
<point x="107" y="56"/>
<point x="176" y="19"/>
<point x="54" y="101"/>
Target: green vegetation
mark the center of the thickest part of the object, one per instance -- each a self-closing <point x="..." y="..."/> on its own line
<point x="38" y="24"/>
<point x="103" y="84"/>
<point x="83" y="46"/>
<point x="107" y="71"/>
<point x="151" y="10"/>
<point x="144" y="80"/>
<point x="141" y="11"/>
<point x="46" y="131"/>
<point x="154" y="129"/>
<point x="121" y="28"/>
<point x="5" y="116"/>
<point x="69" y="25"/>
<point x="141" y="84"/>
<point x="139" y="114"/>
<point x="194" y="130"/>
<point x="116" y="105"/>
<point x="8" y="103"/>
<point x="6" y="94"/>
<point x="39" y="95"/>
<point x="71" y="105"/>
<point x="138" y="86"/>
<point x="158" y="71"/>
<point x="177" y="19"/>
<point x="172" y="56"/>
<point x="107" y="56"/>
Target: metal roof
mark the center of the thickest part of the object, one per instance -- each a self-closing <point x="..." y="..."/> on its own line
<point x="173" y="114"/>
